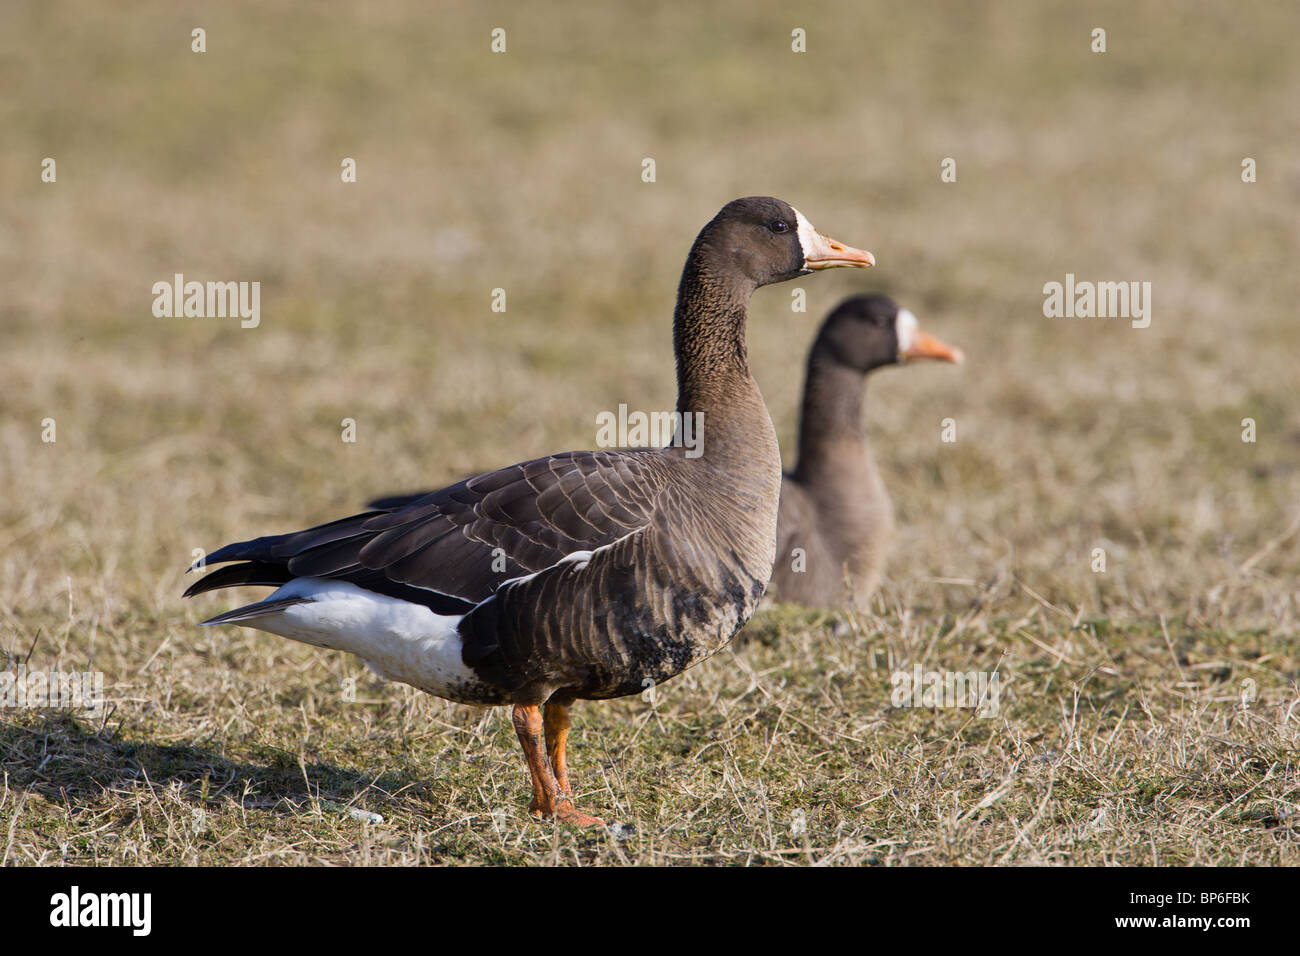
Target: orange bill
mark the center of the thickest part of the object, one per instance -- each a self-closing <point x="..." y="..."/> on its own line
<point x="823" y="252"/>
<point x="926" y="346"/>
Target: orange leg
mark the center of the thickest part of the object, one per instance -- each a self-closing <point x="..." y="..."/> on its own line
<point x="557" y="737"/>
<point x="548" y="799"/>
<point x="528" y="726"/>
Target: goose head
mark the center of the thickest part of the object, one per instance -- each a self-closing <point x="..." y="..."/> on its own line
<point x="766" y="240"/>
<point x="868" y="331"/>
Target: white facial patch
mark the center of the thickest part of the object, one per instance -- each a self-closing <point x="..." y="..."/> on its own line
<point x="905" y="326"/>
<point x="809" y="239"/>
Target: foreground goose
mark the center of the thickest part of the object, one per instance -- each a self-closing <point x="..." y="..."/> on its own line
<point x="836" y="518"/>
<point x="582" y="575"/>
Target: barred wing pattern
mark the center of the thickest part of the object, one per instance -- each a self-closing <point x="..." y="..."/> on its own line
<point x="465" y="540"/>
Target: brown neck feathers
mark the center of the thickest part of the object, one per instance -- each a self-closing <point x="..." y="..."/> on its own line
<point x="831" y="413"/>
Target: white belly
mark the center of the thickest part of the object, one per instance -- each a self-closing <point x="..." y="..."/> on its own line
<point x="399" y="640"/>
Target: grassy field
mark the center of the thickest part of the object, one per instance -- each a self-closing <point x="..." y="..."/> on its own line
<point x="1150" y="713"/>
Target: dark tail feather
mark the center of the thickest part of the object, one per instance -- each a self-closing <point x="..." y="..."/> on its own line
<point x="240" y="551"/>
<point x="250" y="573"/>
<point x="273" y="575"/>
<point x="250" y="611"/>
<point x="277" y="546"/>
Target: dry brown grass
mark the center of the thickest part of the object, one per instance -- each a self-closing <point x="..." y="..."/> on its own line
<point x="1122" y="737"/>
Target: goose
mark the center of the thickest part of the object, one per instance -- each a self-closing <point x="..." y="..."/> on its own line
<point x="582" y="575"/>
<point x="836" y="518"/>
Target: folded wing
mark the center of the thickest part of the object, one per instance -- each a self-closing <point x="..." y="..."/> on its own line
<point x="453" y="547"/>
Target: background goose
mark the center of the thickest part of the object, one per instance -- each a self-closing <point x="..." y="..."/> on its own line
<point x="836" y="519"/>
<point x="579" y="575"/>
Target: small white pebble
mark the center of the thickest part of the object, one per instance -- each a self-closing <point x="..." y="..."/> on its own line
<point x="619" y="831"/>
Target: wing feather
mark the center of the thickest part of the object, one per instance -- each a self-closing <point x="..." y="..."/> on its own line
<point x="465" y="540"/>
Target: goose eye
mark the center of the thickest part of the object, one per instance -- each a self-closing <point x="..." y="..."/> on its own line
<point x="779" y="226"/>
